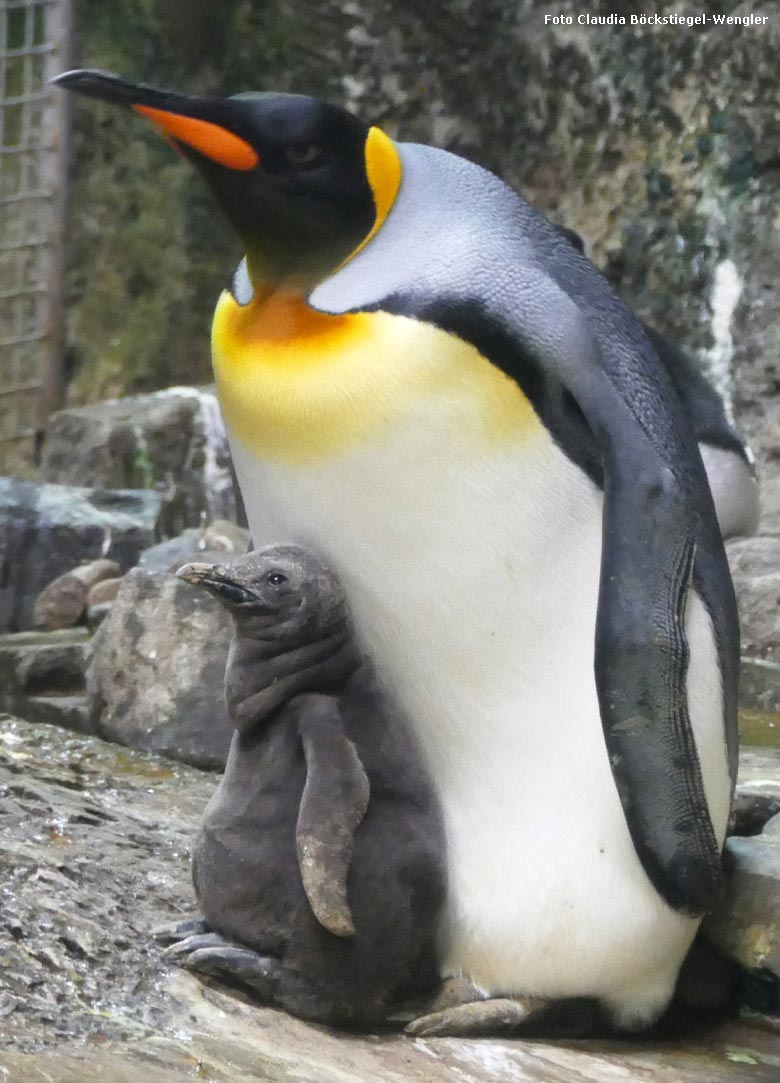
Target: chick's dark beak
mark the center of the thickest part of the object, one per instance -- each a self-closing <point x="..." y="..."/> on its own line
<point x="217" y="582"/>
<point x="196" y="573"/>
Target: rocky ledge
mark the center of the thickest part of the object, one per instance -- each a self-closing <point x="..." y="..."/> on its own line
<point x="94" y="850"/>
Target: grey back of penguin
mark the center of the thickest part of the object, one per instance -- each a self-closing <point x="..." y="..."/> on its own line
<point x="727" y="459"/>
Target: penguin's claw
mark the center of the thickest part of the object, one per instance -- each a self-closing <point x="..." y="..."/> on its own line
<point x="210" y="955"/>
<point x="450" y="994"/>
<point x="462" y="1011"/>
<point x="255" y="974"/>
<point x="480" y="1018"/>
<point x="181" y="949"/>
<point x="167" y="935"/>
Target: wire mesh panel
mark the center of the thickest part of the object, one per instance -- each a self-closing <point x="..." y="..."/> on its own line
<point x="34" y="43"/>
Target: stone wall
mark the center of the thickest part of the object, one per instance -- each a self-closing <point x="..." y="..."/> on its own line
<point x="172" y="441"/>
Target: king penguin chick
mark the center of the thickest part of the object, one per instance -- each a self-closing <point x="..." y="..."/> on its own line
<point x="431" y="388"/>
<point x="319" y="864"/>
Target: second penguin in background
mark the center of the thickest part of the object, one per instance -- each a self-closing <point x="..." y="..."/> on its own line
<point x="319" y="864"/>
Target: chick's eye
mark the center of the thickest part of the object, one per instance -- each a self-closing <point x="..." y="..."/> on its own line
<point x="303" y="153"/>
<point x="276" y="579"/>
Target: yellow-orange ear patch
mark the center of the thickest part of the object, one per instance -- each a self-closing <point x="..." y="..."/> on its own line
<point x="384" y="172"/>
<point x="383" y="169"/>
<point x="209" y="139"/>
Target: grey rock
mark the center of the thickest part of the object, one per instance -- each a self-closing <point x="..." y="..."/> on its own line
<point x="47" y="530"/>
<point x="759" y="684"/>
<point x="41" y="664"/>
<point x="751" y="812"/>
<point x="42" y="677"/>
<point x="62" y="602"/>
<point x="754" y="558"/>
<point x="97" y="613"/>
<point x="759" y="771"/>
<point x="770" y="502"/>
<point x="755" y="567"/>
<point x="173" y="439"/>
<point x="168" y="555"/>
<point x="93" y="845"/>
<point x="757" y="797"/>
<point x="67" y="712"/>
<point x="155" y="680"/>
<point x="94" y="848"/>
<point x="104" y="591"/>
<point x="746" y="926"/>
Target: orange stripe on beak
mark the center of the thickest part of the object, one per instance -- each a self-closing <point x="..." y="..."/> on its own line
<point x="216" y="143"/>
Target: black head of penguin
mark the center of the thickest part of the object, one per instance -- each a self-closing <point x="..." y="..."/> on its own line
<point x="303" y="183"/>
<point x="284" y="594"/>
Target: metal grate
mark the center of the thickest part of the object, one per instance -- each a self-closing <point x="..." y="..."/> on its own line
<point x="35" y="38"/>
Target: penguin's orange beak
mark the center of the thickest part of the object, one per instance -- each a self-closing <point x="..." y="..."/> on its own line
<point x="175" y="115"/>
<point x="206" y="138"/>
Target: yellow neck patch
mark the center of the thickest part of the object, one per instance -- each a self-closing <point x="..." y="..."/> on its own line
<point x="299" y="386"/>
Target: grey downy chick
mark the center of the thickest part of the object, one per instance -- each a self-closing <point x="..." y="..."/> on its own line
<point x="319" y="865"/>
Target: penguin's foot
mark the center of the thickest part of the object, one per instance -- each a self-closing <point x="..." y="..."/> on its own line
<point x="211" y="956"/>
<point x="501" y="1015"/>
<point x="461" y="1010"/>
<point x="172" y="934"/>
<point x="451" y="992"/>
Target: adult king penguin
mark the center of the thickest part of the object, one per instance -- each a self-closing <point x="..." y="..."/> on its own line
<point x="426" y="383"/>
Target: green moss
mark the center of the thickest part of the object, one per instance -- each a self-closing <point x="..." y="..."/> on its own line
<point x="142" y="468"/>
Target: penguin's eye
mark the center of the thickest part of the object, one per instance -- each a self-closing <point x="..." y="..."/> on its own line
<point x="303" y="154"/>
<point x="276" y="579"/>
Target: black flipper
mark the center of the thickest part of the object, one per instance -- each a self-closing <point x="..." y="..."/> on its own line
<point x="335" y="799"/>
<point x="649" y="539"/>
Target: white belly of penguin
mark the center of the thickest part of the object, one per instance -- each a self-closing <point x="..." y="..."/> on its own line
<point x="473" y="577"/>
